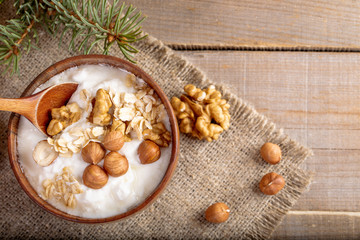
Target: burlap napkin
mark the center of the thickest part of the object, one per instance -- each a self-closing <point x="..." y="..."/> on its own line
<point x="226" y="170"/>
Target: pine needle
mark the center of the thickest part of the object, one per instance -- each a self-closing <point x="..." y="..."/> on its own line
<point x="90" y="21"/>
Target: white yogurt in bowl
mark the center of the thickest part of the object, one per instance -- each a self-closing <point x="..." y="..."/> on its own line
<point x="120" y="193"/>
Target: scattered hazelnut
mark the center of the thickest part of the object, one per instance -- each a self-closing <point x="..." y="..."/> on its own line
<point x="217" y="213"/>
<point x="271" y="183"/>
<point x="94" y="177"/>
<point x="116" y="164"/>
<point x="44" y="154"/>
<point x="113" y="141"/>
<point x="148" y="152"/>
<point x="271" y="153"/>
<point x="93" y="153"/>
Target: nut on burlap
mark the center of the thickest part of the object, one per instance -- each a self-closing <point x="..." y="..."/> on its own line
<point x="202" y="113"/>
<point x="227" y="170"/>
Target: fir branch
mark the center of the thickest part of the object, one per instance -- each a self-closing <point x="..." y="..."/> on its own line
<point x="28" y="10"/>
<point x="90" y="21"/>
<point x="11" y="37"/>
<point x="16" y="34"/>
<point x="93" y="22"/>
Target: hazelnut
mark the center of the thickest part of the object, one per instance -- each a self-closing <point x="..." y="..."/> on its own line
<point x="94" y="177"/>
<point x="217" y="213"/>
<point x="44" y="154"/>
<point x="93" y="153"/>
<point x="148" y="152"/>
<point x="116" y="164"/>
<point x="113" y="141"/>
<point x="271" y="183"/>
<point x="271" y="153"/>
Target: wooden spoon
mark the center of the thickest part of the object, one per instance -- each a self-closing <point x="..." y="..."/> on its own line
<point x="37" y="107"/>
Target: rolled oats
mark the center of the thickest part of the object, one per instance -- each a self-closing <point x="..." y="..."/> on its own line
<point x="148" y="107"/>
<point x="62" y="187"/>
<point x="140" y="94"/>
<point x="73" y="148"/>
<point x="76" y="131"/>
<point x="80" y="141"/>
<point x="128" y="98"/>
<point x="126" y="114"/>
<point x="116" y="100"/>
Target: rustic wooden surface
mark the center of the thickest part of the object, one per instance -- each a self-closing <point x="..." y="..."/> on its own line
<point x="299" y="24"/>
<point x="313" y="96"/>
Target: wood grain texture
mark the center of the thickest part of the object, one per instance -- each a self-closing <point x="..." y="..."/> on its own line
<point x="319" y="225"/>
<point x="298" y="90"/>
<point x="314" y="97"/>
<point x="285" y="24"/>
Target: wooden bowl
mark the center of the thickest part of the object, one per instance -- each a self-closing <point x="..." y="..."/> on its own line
<point x="58" y="68"/>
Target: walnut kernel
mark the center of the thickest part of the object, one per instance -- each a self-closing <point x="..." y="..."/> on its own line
<point x="202" y="113"/>
<point x="100" y="113"/>
<point x="63" y="117"/>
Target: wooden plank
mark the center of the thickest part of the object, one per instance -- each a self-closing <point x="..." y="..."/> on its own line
<point x="276" y="24"/>
<point x="319" y="225"/>
<point x="324" y="138"/>
<point x="314" y="97"/>
<point x="269" y="24"/>
<point x="298" y="90"/>
<point x="336" y="181"/>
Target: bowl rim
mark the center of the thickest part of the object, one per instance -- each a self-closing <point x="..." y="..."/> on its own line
<point x="59" y="67"/>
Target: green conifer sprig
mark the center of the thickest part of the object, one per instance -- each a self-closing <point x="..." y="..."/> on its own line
<point x="15" y="36"/>
<point x="90" y="21"/>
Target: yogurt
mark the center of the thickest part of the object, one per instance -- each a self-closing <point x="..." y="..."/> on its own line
<point x="120" y="193"/>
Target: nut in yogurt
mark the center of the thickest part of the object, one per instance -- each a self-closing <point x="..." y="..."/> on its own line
<point x="94" y="177"/>
<point x="63" y="117"/>
<point x="93" y="153"/>
<point x="148" y="152"/>
<point x="100" y="113"/>
<point x="44" y="154"/>
<point x="116" y="164"/>
<point x="114" y="141"/>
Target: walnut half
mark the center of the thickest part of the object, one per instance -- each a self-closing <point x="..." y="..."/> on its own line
<point x="158" y="134"/>
<point x="202" y="113"/>
<point x="120" y="126"/>
<point x="100" y="113"/>
<point x="63" y="117"/>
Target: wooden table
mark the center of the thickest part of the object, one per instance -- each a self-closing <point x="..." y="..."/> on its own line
<point x="297" y="62"/>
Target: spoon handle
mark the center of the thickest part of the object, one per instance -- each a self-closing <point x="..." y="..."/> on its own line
<point x="24" y="106"/>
